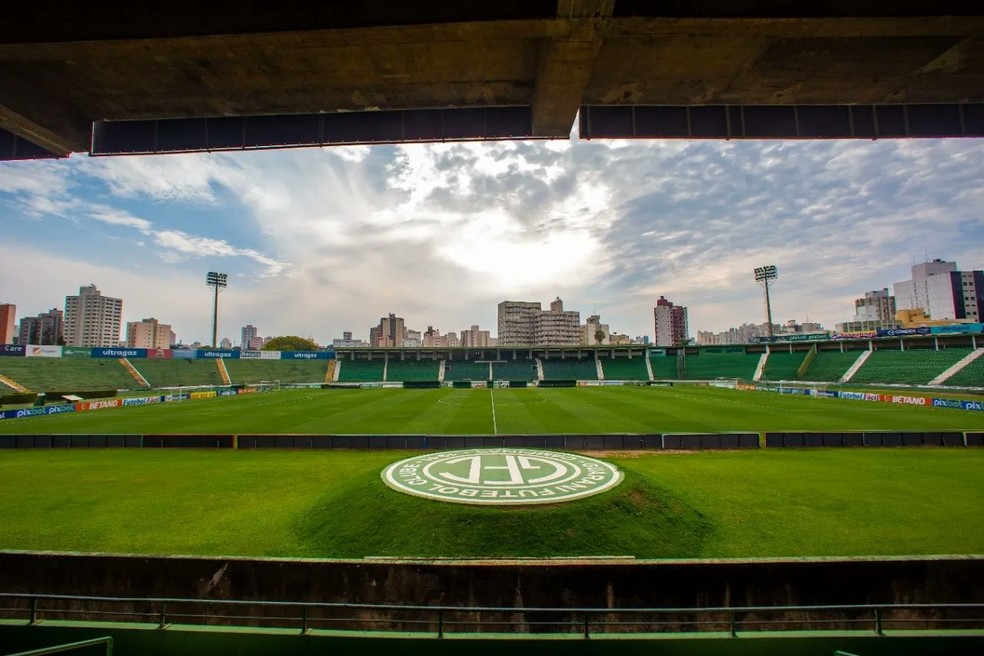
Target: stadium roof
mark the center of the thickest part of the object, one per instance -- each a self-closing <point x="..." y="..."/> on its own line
<point x="128" y="77"/>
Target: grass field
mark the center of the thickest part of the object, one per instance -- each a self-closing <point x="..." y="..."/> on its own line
<point x="817" y="502"/>
<point x="843" y="502"/>
<point x="504" y="411"/>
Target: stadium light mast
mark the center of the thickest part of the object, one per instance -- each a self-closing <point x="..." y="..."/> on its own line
<point x="762" y="276"/>
<point x="216" y="281"/>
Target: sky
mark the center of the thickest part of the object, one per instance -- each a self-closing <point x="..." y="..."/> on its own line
<point x="321" y="241"/>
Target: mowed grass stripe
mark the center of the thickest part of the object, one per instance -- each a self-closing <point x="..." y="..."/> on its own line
<point x="578" y="410"/>
<point x="820" y="502"/>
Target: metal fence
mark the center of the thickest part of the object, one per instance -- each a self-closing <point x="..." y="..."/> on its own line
<point x="443" y="620"/>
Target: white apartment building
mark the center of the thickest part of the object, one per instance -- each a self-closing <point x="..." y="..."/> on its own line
<point x="515" y="323"/>
<point x="589" y="331"/>
<point x="942" y="291"/>
<point x="148" y="334"/>
<point x="557" y="327"/>
<point x="475" y="338"/>
<point x="92" y="319"/>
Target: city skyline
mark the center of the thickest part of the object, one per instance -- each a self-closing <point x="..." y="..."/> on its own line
<point x="321" y="241"/>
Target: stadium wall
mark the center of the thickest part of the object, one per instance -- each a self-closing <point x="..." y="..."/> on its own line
<point x="613" y="583"/>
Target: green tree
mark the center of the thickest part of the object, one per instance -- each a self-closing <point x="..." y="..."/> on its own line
<point x="290" y="343"/>
<point x="599" y="336"/>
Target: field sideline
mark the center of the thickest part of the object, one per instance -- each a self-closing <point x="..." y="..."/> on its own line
<point x="589" y="410"/>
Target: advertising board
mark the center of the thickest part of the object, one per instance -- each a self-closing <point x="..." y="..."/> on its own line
<point x="12" y="349"/>
<point x="259" y="355"/>
<point x="307" y="355"/>
<point x="159" y="354"/>
<point x="42" y="351"/>
<point x="214" y="354"/>
<point x="119" y="352"/>
<point x="76" y="352"/>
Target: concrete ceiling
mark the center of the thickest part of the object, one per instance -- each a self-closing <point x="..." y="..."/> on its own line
<point x="65" y="68"/>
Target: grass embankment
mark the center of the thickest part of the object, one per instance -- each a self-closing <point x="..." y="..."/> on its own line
<point x="844" y="502"/>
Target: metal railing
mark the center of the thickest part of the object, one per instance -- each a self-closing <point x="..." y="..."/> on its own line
<point x="107" y="641"/>
<point x="441" y="620"/>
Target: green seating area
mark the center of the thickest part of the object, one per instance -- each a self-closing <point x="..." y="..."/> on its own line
<point x="518" y="370"/>
<point x="286" y="371"/>
<point x="664" y="368"/>
<point x="971" y="376"/>
<point x="360" y="371"/>
<point x="65" y="374"/>
<point x="412" y="370"/>
<point x="178" y="372"/>
<point x="584" y="369"/>
<point x="782" y="365"/>
<point x="627" y="368"/>
<point x="712" y="363"/>
<point x="913" y="367"/>
<point x="829" y="366"/>
<point x="464" y="370"/>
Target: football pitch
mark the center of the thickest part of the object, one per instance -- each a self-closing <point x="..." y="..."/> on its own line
<point x="448" y="411"/>
<point x="757" y="503"/>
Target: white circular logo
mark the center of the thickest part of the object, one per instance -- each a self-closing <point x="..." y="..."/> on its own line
<point x="501" y="476"/>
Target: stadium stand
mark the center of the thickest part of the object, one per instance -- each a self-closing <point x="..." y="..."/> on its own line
<point x="720" y="363"/>
<point x="514" y="370"/>
<point x="178" y="372"/>
<point x="458" y="370"/>
<point x="829" y="366"/>
<point x="412" y="370"/>
<point x="916" y="367"/>
<point x="664" y="368"/>
<point x="286" y="371"/>
<point x="361" y="371"/>
<point x="783" y="365"/>
<point x="627" y="368"/>
<point x="971" y="376"/>
<point x="42" y="374"/>
<point x="584" y="369"/>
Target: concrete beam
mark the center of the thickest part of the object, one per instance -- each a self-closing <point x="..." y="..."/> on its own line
<point x="47" y="122"/>
<point x="564" y="65"/>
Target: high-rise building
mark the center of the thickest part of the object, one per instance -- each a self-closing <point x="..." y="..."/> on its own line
<point x="46" y="328"/>
<point x="92" y="319"/>
<point x="874" y="311"/>
<point x="390" y="332"/>
<point x="557" y="327"/>
<point x="592" y="328"/>
<point x="148" y="334"/>
<point x="941" y="291"/>
<point x="225" y="344"/>
<point x="475" y="338"/>
<point x="671" y="323"/>
<point x="7" y="314"/>
<point x="248" y="332"/>
<point x="515" y="325"/>
<point x="347" y="342"/>
<point x="411" y="339"/>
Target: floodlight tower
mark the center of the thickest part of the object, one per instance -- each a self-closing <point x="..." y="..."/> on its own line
<point x="216" y="281"/>
<point x="762" y="276"/>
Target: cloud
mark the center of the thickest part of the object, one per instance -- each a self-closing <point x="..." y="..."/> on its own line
<point x="178" y="243"/>
<point x="440" y="233"/>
